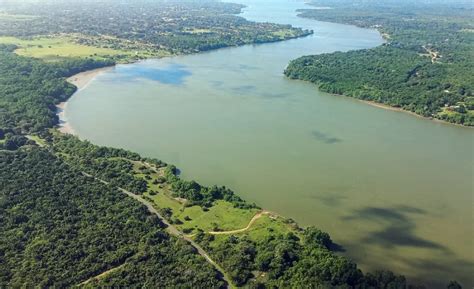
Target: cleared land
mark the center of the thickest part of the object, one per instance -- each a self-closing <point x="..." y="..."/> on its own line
<point x="58" y="47"/>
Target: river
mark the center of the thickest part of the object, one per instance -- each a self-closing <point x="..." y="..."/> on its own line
<point x="394" y="190"/>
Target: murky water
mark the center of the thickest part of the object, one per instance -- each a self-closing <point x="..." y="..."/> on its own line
<point x="396" y="191"/>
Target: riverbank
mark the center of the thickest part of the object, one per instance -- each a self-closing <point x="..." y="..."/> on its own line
<point x="398" y="109"/>
<point x="63" y="125"/>
<point x="82" y="79"/>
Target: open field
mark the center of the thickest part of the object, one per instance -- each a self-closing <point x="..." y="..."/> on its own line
<point x="222" y="216"/>
<point x="285" y="33"/>
<point x="57" y="47"/>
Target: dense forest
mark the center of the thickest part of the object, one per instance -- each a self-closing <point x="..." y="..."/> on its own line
<point x="30" y="89"/>
<point x="425" y="66"/>
<point x="60" y="228"/>
<point x="174" y="26"/>
<point x="291" y="261"/>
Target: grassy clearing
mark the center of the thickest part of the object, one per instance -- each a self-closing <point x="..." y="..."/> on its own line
<point x="450" y="113"/>
<point x="56" y="48"/>
<point x="284" y="33"/>
<point x="197" y="30"/>
<point x="39" y="141"/>
<point x="59" y="47"/>
<point x="261" y="230"/>
<point x="222" y="216"/>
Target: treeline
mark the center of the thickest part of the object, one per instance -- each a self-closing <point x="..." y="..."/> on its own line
<point x="424" y="67"/>
<point x="30" y="89"/>
<point x="59" y="228"/>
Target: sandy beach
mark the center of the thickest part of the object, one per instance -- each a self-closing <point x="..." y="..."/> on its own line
<point x="80" y="80"/>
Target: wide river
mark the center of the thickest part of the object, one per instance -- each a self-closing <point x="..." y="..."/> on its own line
<point x="395" y="190"/>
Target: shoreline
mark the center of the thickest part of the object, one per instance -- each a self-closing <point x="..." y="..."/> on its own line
<point x="386" y="36"/>
<point x="385" y="106"/>
<point x="398" y="109"/>
<point x="80" y="81"/>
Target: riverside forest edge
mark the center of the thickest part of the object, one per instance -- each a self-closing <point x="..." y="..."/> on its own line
<point x="425" y="66"/>
<point x="303" y="257"/>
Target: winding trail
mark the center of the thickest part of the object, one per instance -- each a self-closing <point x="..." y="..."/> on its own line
<point x="170" y="229"/>
<point x="255" y="218"/>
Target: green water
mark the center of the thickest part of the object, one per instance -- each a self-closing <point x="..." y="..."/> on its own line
<point x="395" y="190"/>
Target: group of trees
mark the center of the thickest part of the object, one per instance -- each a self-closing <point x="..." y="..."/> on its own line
<point x="424" y="67"/>
<point x="201" y="195"/>
<point x="291" y="261"/>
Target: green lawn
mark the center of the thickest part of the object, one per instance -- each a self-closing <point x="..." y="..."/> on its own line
<point x="222" y="215"/>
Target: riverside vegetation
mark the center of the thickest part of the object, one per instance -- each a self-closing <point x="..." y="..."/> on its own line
<point x="425" y="66"/>
<point x="73" y="229"/>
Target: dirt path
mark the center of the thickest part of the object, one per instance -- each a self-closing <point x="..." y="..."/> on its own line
<point x="171" y="229"/>
<point x="255" y="218"/>
<point x="101" y="275"/>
